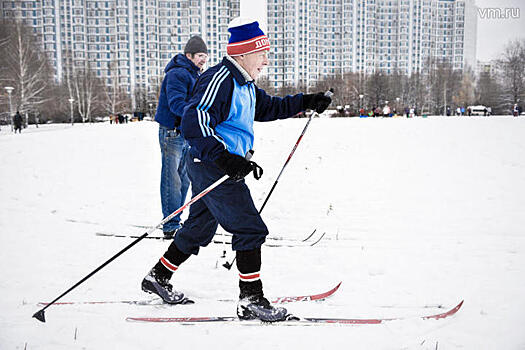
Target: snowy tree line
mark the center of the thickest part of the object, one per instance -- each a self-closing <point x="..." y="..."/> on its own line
<point x="431" y="90"/>
<point x="26" y="68"/>
<point x="38" y="96"/>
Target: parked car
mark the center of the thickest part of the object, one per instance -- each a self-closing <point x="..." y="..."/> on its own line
<point x="479" y="110"/>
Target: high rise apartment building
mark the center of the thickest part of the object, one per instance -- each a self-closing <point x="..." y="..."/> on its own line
<point x="128" y="40"/>
<point x="310" y="39"/>
<point x="317" y="38"/>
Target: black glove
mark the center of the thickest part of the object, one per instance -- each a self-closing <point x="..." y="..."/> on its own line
<point x="317" y="101"/>
<point x="237" y="167"/>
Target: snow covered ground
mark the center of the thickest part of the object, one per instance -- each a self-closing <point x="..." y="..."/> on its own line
<point x="418" y="213"/>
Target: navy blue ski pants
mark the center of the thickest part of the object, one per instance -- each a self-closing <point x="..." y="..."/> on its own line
<point x="230" y="204"/>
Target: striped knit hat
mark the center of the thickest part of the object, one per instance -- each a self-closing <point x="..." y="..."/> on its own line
<point x="246" y="37"/>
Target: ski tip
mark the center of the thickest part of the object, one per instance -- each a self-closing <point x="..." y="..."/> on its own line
<point x="309" y="236"/>
<point x="446" y="314"/>
<point x="39" y="315"/>
<point x="457" y="307"/>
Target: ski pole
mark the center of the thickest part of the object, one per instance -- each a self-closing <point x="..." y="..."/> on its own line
<point x="328" y="93"/>
<point x="287" y="161"/>
<point x="39" y="315"/>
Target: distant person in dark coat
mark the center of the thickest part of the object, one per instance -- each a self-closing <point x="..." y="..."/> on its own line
<point x="17" y="120"/>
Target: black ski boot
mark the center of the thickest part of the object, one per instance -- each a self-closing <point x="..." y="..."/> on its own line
<point x="258" y="307"/>
<point x="160" y="286"/>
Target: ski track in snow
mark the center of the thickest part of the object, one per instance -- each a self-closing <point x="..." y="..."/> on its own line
<point x="418" y="213"/>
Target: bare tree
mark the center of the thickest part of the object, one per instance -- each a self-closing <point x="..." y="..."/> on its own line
<point x="377" y="88"/>
<point x="25" y="67"/>
<point x="115" y="100"/>
<point x="286" y="89"/>
<point x="466" y="92"/>
<point x="85" y="88"/>
<point x="350" y="91"/>
<point x="443" y="83"/>
<point x="400" y="90"/>
<point x="513" y="70"/>
<point x="141" y="98"/>
<point x="337" y="83"/>
<point x="416" y="91"/>
<point x="265" y="84"/>
<point x="4" y="39"/>
<point x="489" y="92"/>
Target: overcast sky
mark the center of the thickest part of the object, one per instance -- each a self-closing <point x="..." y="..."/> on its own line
<point x="493" y="34"/>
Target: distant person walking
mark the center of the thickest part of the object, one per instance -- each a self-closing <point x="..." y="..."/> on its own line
<point x="181" y="73"/>
<point x="386" y="111"/>
<point x="516" y="110"/>
<point x="17" y="120"/>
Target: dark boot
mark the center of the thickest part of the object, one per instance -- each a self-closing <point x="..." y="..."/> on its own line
<point x="155" y="284"/>
<point x="157" y="280"/>
<point x="258" y="307"/>
<point x="252" y="303"/>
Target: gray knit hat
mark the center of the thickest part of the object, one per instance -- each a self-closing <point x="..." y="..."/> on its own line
<point x="195" y="45"/>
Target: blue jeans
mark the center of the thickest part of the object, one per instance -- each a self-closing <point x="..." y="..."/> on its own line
<point x="174" y="181"/>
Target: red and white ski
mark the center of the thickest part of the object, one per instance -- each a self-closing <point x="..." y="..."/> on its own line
<point x="278" y="300"/>
<point x="291" y="321"/>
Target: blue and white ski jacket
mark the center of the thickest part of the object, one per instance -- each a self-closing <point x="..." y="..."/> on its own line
<point x="222" y="110"/>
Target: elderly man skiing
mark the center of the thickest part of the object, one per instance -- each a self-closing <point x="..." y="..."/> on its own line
<point x="218" y="125"/>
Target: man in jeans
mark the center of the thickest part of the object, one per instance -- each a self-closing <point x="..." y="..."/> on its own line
<point x="181" y="73"/>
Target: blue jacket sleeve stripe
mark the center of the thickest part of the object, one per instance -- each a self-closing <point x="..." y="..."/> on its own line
<point x="212" y="85"/>
<point x="207" y="123"/>
<point x="204" y="124"/>
<point x="201" y="123"/>
<point x="218" y="138"/>
<point x="216" y="90"/>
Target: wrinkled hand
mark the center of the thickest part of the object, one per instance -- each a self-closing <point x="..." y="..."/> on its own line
<point x="318" y="102"/>
<point x="237" y="167"/>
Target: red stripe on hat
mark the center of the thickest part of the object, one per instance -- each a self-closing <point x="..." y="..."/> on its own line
<point x="168" y="265"/>
<point x="250" y="277"/>
<point x="248" y="46"/>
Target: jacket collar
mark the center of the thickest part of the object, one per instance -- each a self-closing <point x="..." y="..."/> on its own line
<point x="237" y="71"/>
<point x="180" y="60"/>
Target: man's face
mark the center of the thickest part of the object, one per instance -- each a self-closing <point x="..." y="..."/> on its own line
<point x="253" y="63"/>
<point x="198" y="59"/>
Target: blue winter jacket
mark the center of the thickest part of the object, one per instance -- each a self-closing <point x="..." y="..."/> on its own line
<point x="221" y="112"/>
<point x="177" y="86"/>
